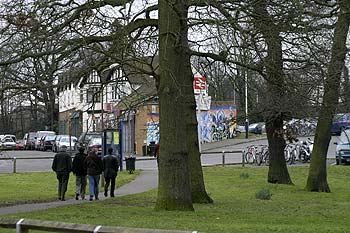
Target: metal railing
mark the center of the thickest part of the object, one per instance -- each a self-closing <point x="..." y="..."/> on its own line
<point x="25" y="225"/>
<point x="224" y="153"/>
<point x="14" y="160"/>
<point x="223" y="162"/>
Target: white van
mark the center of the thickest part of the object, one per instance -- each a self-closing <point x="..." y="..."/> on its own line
<point x="39" y="136"/>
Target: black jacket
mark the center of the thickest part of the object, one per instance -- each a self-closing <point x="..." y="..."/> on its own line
<point x="93" y="165"/>
<point x="110" y="166"/>
<point x="62" y="163"/>
<point x="79" y="168"/>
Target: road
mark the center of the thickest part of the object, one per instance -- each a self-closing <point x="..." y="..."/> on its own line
<point x="212" y="154"/>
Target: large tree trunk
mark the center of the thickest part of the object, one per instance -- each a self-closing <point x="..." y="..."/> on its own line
<point x="276" y="99"/>
<point x="174" y="191"/>
<point x="199" y="194"/>
<point x="317" y="179"/>
<point x="278" y="172"/>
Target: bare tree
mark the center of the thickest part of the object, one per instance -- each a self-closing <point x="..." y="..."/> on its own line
<point x="317" y="179"/>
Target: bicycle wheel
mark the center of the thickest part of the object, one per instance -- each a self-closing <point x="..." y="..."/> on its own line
<point x="292" y="157"/>
<point x="266" y="158"/>
<point x="249" y="158"/>
<point x="286" y="155"/>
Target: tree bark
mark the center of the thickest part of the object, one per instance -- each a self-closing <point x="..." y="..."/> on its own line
<point x="317" y="179"/>
<point x="278" y="172"/>
<point x="198" y="191"/>
<point x="174" y="191"/>
<point x="276" y="94"/>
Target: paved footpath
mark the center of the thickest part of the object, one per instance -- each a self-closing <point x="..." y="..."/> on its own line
<point x="146" y="181"/>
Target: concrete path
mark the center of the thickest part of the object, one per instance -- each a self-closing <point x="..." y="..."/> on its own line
<point x="146" y="181"/>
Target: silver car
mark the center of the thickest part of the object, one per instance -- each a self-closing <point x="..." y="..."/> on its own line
<point x="64" y="141"/>
<point x="343" y="147"/>
<point x="8" y="144"/>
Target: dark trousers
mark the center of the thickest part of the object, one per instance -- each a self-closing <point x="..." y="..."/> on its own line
<point x="62" y="184"/>
<point x="110" y="180"/>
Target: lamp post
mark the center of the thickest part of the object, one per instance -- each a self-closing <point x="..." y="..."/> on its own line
<point x="246" y="104"/>
<point x="199" y="122"/>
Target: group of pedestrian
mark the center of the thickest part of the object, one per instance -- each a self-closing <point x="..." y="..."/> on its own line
<point x="84" y="165"/>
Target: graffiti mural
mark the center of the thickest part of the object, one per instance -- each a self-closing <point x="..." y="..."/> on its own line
<point x="217" y="124"/>
<point x="152" y="128"/>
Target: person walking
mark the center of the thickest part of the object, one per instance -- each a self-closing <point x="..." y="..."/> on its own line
<point x="94" y="166"/>
<point x="62" y="165"/>
<point x="110" y="171"/>
<point x="79" y="170"/>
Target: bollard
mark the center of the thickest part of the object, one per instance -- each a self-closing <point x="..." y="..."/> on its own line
<point x="14" y="164"/>
<point x="18" y="225"/>
<point x="223" y="158"/>
<point x="243" y="160"/>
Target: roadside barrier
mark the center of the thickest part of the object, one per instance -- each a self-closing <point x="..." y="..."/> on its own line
<point x="223" y="162"/>
<point x="224" y="153"/>
<point x="14" y="160"/>
<point x="25" y="225"/>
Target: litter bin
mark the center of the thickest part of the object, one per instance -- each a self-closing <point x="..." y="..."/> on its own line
<point x="152" y="148"/>
<point x="144" y="150"/>
<point x="130" y="164"/>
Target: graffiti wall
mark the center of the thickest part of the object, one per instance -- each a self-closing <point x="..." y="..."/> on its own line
<point x="152" y="127"/>
<point x="217" y="124"/>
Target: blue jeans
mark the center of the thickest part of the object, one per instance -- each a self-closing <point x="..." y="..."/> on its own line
<point x="93" y="185"/>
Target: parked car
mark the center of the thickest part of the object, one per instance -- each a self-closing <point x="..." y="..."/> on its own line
<point x="341" y="122"/>
<point x="46" y="142"/>
<point x="95" y="143"/>
<point x="39" y="137"/>
<point x="86" y="137"/>
<point x="64" y="141"/>
<point x="13" y="137"/>
<point x="55" y="142"/>
<point x="343" y="147"/>
<point x="257" y="128"/>
<point x="29" y="140"/>
<point x="19" y="145"/>
<point x="240" y="129"/>
<point x="8" y="144"/>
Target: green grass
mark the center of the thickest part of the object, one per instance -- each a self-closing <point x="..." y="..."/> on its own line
<point x="32" y="187"/>
<point x="236" y="209"/>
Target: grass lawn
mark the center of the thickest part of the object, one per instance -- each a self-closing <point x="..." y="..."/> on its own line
<point x="31" y="187"/>
<point x="236" y="209"/>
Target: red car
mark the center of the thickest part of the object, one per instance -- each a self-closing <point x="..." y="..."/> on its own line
<point x="19" y="145"/>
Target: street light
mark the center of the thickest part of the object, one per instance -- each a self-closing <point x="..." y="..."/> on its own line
<point x="246" y="104"/>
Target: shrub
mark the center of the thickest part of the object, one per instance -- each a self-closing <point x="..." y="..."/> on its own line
<point x="264" y="194"/>
<point x="244" y="175"/>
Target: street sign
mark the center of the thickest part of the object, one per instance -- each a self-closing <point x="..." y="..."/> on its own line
<point x="199" y="84"/>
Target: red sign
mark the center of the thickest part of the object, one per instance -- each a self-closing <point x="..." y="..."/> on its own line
<point x="199" y="84"/>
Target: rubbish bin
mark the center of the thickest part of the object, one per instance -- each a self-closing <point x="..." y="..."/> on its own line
<point x="144" y="150"/>
<point x="130" y="164"/>
<point x="152" y="148"/>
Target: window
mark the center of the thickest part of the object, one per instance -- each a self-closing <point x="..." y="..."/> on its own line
<point x="81" y="96"/>
<point x="114" y="93"/>
<point x="94" y="95"/>
<point x="154" y="108"/>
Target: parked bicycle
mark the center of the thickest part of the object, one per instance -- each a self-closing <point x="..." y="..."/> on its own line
<point x="257" y="155"/>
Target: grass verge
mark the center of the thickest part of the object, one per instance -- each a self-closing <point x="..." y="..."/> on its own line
<point x="20" y="188"/>
<point x="236" y="208"/>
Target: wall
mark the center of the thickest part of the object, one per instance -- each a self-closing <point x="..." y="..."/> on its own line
<point x="146" y="126"/>
<point x="217" y="123"/>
